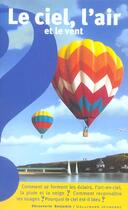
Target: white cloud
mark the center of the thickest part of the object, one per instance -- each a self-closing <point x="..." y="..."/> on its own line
<point x="65" y="146"/>
<point x="118" y="106"/>
<point x="21" y="37"/>
<point x="91" y="150"/>
<point x="122" y="145"/>
<point x="12" y="140"/>
<point x="123" y="9"/>
<point x="64" y="138"/>
<point x="59" y="110"/>
<point x="122" y="41"/>
<point x="77" y="138"/>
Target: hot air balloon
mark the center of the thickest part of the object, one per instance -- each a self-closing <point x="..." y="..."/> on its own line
<point x="42" y="121"/>
<point x="87" y="77"/>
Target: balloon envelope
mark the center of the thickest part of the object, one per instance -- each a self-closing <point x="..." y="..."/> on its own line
<point x="42" y="121"/>
<point x="87" y="77"/>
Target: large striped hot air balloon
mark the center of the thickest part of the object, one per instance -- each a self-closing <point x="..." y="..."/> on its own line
<point x="42" y="121"/>
<point x="88" y="76"/>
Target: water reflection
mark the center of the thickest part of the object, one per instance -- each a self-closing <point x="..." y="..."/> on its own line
<point x="87" y="177"/>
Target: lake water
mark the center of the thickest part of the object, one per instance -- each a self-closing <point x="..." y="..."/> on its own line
<point x="88" y="177"/>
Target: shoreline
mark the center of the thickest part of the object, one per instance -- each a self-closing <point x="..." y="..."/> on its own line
<point x="66" y="174"/>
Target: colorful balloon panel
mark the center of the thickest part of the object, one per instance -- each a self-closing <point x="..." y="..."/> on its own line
<point x="88" y="76"/>
<point x="42" y="121"/>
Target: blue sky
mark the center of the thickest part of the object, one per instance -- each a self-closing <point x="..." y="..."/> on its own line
<point x="20" y="141"/>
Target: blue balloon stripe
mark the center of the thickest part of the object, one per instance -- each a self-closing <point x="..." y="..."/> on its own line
<point x="90" y="107"/>
<point x="42" y="119"/>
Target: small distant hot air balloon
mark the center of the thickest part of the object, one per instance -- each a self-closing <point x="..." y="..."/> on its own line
<point x="42" y="121"/>
<point x="88" y="76"/>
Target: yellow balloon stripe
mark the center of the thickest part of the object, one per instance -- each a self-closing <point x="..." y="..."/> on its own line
<point x="115" y="57"/>
<point x="43" y="113"/>
<point x="97" y="48"/>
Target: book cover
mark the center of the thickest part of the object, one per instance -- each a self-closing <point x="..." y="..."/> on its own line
<point x="63" y="104"/>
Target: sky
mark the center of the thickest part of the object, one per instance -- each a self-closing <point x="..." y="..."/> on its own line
<point x="21" y="143"/>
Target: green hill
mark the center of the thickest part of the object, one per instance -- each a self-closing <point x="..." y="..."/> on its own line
<point x="113" y="162"/>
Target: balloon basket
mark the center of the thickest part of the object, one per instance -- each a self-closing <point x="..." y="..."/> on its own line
<point x="85" y="133"/>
